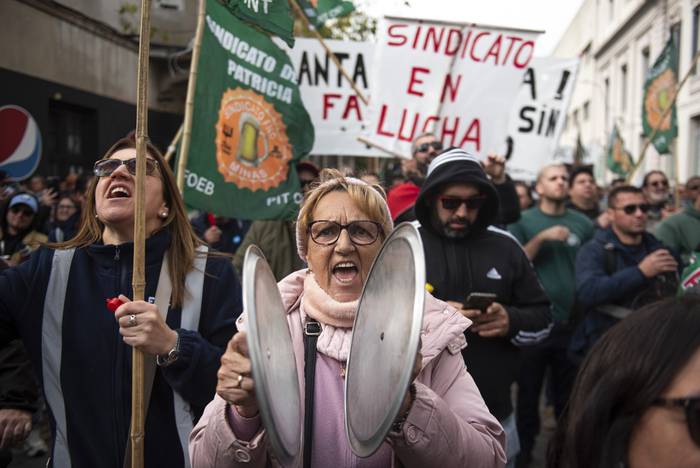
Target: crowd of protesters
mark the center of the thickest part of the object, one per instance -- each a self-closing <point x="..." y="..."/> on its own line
<point x="560" y="270"/>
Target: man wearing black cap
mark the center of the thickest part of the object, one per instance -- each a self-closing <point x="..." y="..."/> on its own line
<point x="17" y="235"/>
<point x="484" y="273"/>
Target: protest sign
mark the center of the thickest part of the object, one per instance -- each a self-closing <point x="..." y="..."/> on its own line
<point x="249" y="125"/>
<point x="539" y="113"/>
<point x="458" y="81"/>
<point x="336" y="111"/>
<point x="659" y="91"/>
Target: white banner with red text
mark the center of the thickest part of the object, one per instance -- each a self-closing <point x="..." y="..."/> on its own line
<point x="457" y="81"/>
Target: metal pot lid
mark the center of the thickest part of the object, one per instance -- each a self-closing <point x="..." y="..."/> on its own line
<point x="272" y="358"/>
<point x="385" y="340"/>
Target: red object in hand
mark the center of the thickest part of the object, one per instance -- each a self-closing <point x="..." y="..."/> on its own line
<point x="211" y="219"/>
<point x="113" y="304"/>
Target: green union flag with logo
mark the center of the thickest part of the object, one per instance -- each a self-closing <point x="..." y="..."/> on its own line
<point x="249" y="127"/>
<point x="659" y="91"/>
<point x="320" y="11"/>
<point x="619" y="159"/>
<point x="273" y="16"/>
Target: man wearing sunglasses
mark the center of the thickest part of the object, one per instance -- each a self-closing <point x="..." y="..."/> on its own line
<point x="623" y="268"/>
<point x="681" y="232"/>
<point x="464" y="254"/>
<point x="657" y="191"/>
<point x="18" y="237"/>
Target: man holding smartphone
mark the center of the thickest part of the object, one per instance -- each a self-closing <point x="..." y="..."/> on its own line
<point x="484" y="273"/>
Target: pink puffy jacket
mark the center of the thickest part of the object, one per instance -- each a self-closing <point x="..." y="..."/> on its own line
<point x="448" y="425"/>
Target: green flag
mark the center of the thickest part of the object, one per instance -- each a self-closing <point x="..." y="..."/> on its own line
<point x="690" y="279"/>
<point x="320" y="11"/>
<point x="659" y="91"/>
<point x="249" y="124"/>
<point x="619" y="159"/>
<point x="274" y="16"/>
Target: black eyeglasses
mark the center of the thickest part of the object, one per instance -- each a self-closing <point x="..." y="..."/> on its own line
<point x="659" y="183"/>
<point x="692" y="413"/>
<point x="453" y="203"/>
<point x="693" y="187"/>
<point x="632" y="209"/>
<point x="360" y="232"/>
<point x="105" y="167"/>
<point x="437" y="146"/>
<point x="24" y="211"/>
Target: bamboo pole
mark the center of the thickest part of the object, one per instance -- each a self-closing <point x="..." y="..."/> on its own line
<point x="667" y="111"/>
<point x="189" y="103"/>
<point x="138" y="279"/>
<point x="317" y="35"/>
<point x="173" y="144"/>
<point x="380" y="148"/>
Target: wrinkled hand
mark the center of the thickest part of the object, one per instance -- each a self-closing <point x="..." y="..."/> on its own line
<point x="15" y="425"/>
<point x="555" y="233"/>
<point x="48" y="197"/>
<point x="657" y="262"/>
<point x="150" y="334"/>
<point x="469" y="313"/>
<point x="235" y="363"/>
<point x="212" y="235"/>
<point x="494" y="322"/>
<point x="495" y="167"/>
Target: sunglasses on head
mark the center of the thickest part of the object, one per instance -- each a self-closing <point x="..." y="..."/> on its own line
<point x="659" y="183"/>
<point x="24" y="211"/>
<point x="453" y="203"/>
<point x="692" y="413"/>
<point x="437" y="146"/>
<point x="632" y="209"/>
<point x="105" y="167"/>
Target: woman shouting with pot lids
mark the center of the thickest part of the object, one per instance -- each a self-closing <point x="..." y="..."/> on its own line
<point x="443" y="420"/>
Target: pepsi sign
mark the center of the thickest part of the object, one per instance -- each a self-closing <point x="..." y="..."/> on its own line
<point x="20" y="142"/>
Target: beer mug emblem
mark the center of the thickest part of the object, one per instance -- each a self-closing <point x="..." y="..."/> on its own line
<point x="252" y="147"/>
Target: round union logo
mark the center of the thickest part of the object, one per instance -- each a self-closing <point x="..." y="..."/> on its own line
<point x="252" y="148"/>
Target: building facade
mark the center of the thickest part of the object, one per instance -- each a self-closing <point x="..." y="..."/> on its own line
<point x="617" y="41"/>
<point x="72" y="64"/>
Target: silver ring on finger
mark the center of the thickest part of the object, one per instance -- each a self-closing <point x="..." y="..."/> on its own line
<point x="132" y="321"/>
<point x="239" y="379"/>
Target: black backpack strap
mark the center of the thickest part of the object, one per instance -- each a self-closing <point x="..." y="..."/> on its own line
<point x="610" y="261"/>
<point x="311" y="331"/>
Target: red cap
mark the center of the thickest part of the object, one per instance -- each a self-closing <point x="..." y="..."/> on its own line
<point x="401" y="198"/>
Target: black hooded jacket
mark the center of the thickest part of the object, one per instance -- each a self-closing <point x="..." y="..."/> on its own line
<point x="488" y="260"/>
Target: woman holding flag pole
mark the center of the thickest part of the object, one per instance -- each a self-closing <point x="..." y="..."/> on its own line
<point x="70" y="305"/>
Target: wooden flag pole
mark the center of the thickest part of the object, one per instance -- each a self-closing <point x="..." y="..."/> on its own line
<point x="663" y="117"/>
<point x="379" y="147"/>
<point x="173" y="144"/>
<point x="189" y="103"/>
<point x="317" y="35"/>
<point x="138" y="281"/>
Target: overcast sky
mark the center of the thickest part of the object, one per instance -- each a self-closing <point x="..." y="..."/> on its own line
<point x="551" y="16"/>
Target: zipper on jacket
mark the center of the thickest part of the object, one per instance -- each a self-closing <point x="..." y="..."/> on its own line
<point x="116" y="253"/>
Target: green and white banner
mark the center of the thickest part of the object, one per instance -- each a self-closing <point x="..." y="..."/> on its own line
<point x="320" y="11"/>
<point x="250" y="126"/>
<point x="274" y="16"/>
<point x="659" y="91"/>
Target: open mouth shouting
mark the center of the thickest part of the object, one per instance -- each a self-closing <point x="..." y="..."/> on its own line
<point x="345" y="272"/>
<point x="118" y="191"/>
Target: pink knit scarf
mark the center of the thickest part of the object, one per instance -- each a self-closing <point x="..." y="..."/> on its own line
<point x="336" y="319"/>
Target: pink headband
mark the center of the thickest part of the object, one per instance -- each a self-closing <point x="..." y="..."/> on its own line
<point x="302" y="236"/>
